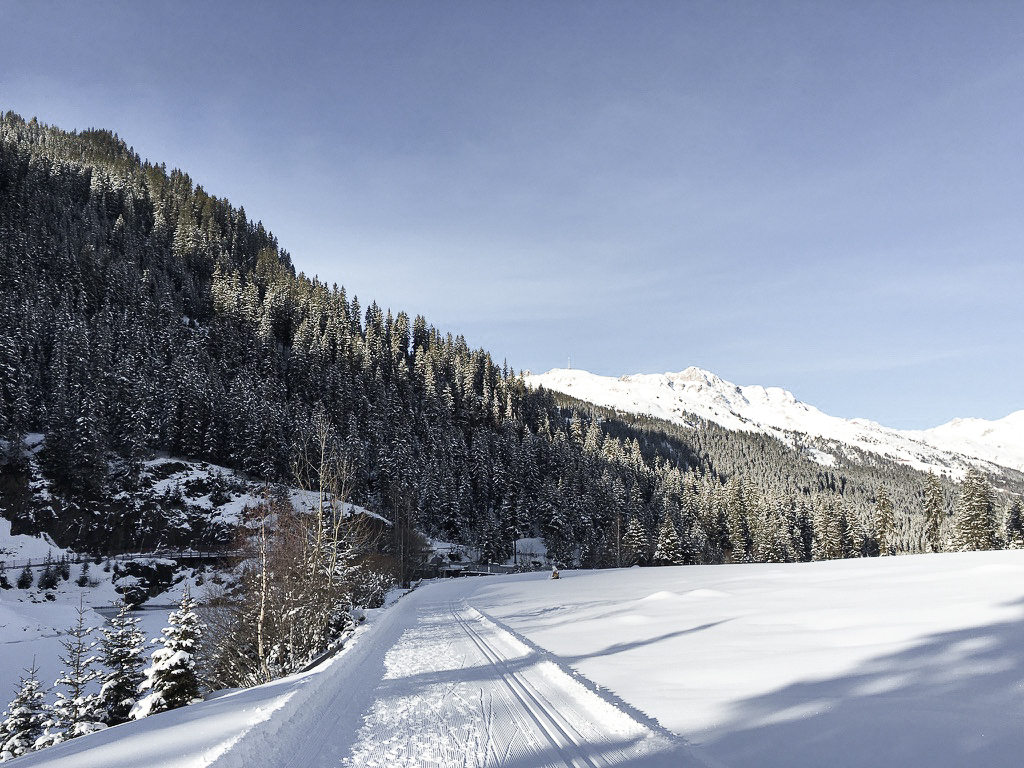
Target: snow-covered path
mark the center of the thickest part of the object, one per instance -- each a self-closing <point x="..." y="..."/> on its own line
<point x="439" y="684"/>
<point x="461" y="691"/>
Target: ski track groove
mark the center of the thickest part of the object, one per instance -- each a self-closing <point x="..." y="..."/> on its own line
<point x="542" y="711"/>
<point x="460" y="690"/>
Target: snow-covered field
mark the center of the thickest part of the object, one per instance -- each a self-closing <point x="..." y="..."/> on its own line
<point x="884" y="662"/>
<point x="909" y="661"/>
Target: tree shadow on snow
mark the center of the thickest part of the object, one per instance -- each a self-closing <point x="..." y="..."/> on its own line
<point x="928" y="705"/>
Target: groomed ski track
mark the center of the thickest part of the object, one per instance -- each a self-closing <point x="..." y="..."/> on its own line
<point x="437" y="683"/>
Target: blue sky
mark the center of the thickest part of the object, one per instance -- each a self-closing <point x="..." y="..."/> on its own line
<point x="821" y="196"/>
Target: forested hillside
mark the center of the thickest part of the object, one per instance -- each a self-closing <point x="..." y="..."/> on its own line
<point x="140" y="314"/>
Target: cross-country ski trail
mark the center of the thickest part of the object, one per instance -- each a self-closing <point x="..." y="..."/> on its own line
<point x="440" y="684"/>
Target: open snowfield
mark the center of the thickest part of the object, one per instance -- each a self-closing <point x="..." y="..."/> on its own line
<point x="909" y="661"/>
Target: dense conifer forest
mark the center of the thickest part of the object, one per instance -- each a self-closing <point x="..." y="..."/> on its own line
<point x="140" y="314"/>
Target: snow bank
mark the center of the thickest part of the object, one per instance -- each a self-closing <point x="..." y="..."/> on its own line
<point x="17" y="548"/>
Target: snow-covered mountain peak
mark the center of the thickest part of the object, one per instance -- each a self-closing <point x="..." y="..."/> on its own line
<point x="693" y="384"/>
<point x="1003" y="438"/>
<point x="699" y="376"/>
<point x="1012" y="424"/>
<point x="678" y="397"/>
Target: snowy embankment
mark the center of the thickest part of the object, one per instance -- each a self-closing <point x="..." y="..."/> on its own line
<point x="886" y="662"/>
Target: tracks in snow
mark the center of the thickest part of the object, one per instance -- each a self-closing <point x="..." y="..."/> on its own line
<point x="558" y="706"/>
<point x="460" y="691"/>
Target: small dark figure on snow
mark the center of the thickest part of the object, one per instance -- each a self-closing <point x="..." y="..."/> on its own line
<point x="554" y="572"/>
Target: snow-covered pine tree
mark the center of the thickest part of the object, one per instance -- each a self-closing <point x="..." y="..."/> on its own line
<point x="851" y="533"/>
<point x="76" y="711"/>
<point x="48" y="578"/>
<point x="23" y="721"/>
<point x="974" y="519"/>
<point x="122" y="645"/>
<point x="803" y="532"/>
<point x="25" y="578"/>
<point x="1015" y="525"/>
<point x="594" y="438"/>
<point x="171" y="678"/>
<point x="772" y="531"/>
<point x="83" y="578"/>
<point x="738" y="518"/>
<point x="668" y="551"/>
<point x="934" y="511"/>
<point x="828" y="539"/>
<point x="884" y="523"/>
<point x="636" y="543"/>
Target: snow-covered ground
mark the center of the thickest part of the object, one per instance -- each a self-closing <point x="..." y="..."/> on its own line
<point x="678" y="397"/>
<point x="885" y="662"/>
<point x="19" y="547"/>
<point x="908" y="661"/>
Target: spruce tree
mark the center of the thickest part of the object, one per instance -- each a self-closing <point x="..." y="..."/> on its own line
<point x="25" y="578"/>
<point x="83" y="578"/>
<point x="171" y="677"/>
<point x="934" y="511"/>
<point x="772" y="532"/>
<point x="23" y="721"/>
<point x="122" y="644"/>
<point x="884" y="523"/>
<point x="50" y="575"/>
<point x="741" y="542"/>
<point x="636" y="543"/>
<point x="668" y="551"/>
<point x="974" y="519"/>
<point x="76" y="711"/>
<point x="1015" y="525"/>
<point x="828" y="521"/>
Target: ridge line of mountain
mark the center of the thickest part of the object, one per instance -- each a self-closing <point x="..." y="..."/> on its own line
<point x="677" y="397"/>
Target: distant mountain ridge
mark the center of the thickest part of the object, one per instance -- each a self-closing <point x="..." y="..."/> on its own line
<point x="695" y="392"/>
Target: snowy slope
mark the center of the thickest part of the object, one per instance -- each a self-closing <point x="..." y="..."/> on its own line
<point x="678" y="397"/>
<point x="901" y="661"/>
<point x="1000" y="441"/>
